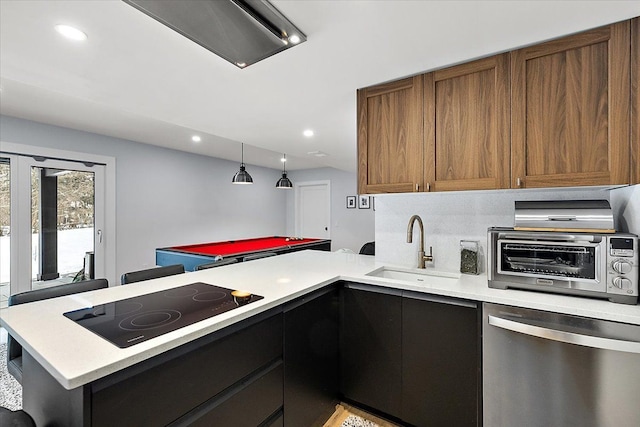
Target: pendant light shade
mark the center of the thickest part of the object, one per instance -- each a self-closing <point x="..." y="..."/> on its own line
<point x="242" y="176"/>
<point x="284" y="182"/>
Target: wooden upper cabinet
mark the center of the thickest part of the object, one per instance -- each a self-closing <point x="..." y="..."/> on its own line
<point x="635" y="101"/>
<point x="467" y="126"/>
<point x="390" y="137"/>
<point x="570" y="110"/>
<point x="557" y="114"/>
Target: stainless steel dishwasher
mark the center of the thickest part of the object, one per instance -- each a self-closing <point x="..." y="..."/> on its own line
<point x="549" y="369"/>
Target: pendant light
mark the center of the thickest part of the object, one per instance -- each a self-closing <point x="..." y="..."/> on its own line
<point x="242" y="176"/>
<point x="284" y="182"/>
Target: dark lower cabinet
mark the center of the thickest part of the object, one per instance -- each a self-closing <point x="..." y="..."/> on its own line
<point x="311" y="358"/>
<point x="370" y="345"/>
<point x="411" y="356"/>
<point x="231" y="377"/>
<point x="440" y="361"/>
<point x="174" y="390"/>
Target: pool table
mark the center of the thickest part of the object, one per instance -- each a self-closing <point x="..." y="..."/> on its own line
<point x="193" y="255"/>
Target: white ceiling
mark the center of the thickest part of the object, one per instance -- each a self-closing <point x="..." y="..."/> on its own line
<point x="137" y="79"/>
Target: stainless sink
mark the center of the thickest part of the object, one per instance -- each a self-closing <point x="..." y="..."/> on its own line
<point x="409" y="275"/>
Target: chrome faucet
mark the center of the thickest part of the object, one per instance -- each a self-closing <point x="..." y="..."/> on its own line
<point x="421" y="256"/>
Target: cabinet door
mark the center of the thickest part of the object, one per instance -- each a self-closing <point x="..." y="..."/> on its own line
<point x="370" y="349"/>
<point x="390" y="137"/>
<point x="441" y="362"/>
<point x="570" y="110"/>
<point x="635" y="101"/>
<point x="311" y="359"/>
<point x="467" y="126"/>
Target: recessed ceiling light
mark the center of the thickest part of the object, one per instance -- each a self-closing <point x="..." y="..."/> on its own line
<point x="308" y="133"/>
<point x="196" y="138"/>
<point x="70" y="32"/>
<point x="295" y="39"/>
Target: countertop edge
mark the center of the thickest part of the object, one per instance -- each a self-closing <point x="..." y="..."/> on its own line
<point x="514" y="297"/>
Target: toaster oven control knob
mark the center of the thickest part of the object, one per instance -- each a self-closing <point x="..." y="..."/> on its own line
<point x="622" y="283"/>
<point x="621" y="266"/>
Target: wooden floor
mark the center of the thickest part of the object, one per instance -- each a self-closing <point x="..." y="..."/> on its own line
<point x="343" y="411"/>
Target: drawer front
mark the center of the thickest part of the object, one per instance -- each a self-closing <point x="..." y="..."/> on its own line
<point x="165" y="392"/>
<point x="249" y="407"/>
<point x="277" y="421"/>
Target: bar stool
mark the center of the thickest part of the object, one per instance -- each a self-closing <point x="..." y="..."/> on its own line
<point x="9" y="418"/>
<point x="220" y="263"/>
<point x="14" y="350"/>
<point x="151" y="273"/>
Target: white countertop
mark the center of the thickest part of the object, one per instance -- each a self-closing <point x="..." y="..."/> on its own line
<point x="76" y="356"/>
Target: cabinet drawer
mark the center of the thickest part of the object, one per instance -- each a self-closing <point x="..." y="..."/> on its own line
<point x="249" y="407"/>
<point x="277" y="421"/>
<point x="166" y="391"/>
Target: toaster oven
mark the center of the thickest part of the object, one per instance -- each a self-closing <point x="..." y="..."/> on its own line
<point x="601" y="265"/>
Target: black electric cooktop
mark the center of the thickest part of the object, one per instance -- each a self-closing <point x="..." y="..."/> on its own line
<point x="134" y="320"/>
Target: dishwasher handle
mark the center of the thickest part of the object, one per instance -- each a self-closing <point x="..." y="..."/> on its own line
<point x="566" y="337"/>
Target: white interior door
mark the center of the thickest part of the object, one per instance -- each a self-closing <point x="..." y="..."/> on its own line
<point x="313" y="209"/>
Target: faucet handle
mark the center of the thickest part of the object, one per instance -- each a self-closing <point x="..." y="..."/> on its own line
<point x="430" y="256"/>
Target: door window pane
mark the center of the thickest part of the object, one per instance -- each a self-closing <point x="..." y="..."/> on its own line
<point x="62" y="218"/>
<point x="5" y="235"/>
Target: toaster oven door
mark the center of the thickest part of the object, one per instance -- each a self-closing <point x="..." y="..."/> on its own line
<point x="570" y="261"/>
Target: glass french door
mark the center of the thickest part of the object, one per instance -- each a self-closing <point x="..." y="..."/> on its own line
<point x="52" y="220"/>
<point x="5" y="228"/>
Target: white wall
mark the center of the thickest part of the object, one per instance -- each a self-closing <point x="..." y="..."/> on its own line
<point x="166" y="197"/>
<point x="625" y="202"/>
<point x="350" y="228"/>
<point x="453" y="216"/>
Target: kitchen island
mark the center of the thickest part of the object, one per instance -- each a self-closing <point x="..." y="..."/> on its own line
<point x="75" y="358"/>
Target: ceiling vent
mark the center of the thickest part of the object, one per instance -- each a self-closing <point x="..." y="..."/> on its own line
<point x="317" y="153"/>
<point x="241" y="31"/>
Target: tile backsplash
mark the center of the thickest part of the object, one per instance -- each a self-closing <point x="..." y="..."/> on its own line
<point x="449" y="217"/>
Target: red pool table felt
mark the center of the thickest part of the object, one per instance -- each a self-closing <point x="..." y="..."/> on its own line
<point x="235" y="247"/>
